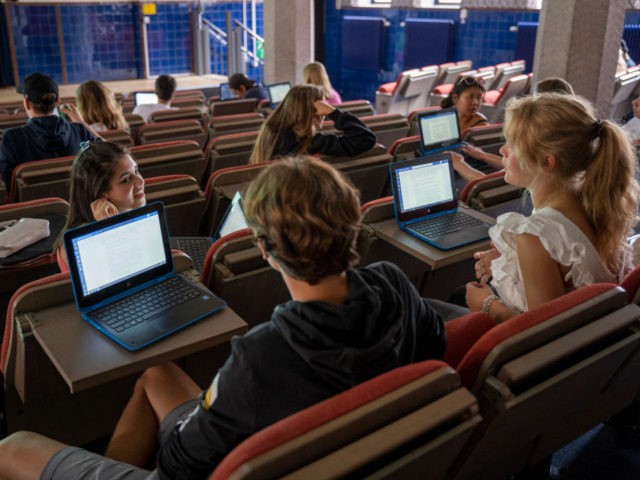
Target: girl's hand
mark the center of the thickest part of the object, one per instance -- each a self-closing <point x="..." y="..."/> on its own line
<point x="472" y="151"/>
<point x="483" y="265"/>
<point x="323" y="108"/>
<point x="475" y="295"/>
<point x="72" y="112"/>
<point x="103" y="208"/>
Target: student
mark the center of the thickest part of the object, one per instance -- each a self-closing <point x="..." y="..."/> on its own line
<point x="342" y="326"/>
<point x="104" y="181"/>
<point x="45" y="135"/>
<point x="315" y="74"/>
<point x="97" y="106"/>
<point x="580" y="173"/>
<point x="293" y="128"/>
<point x="165" y="89"/>
<point x="242" y="87"/>
<point x="466" y="95"/>
<point x="548" y="85"/>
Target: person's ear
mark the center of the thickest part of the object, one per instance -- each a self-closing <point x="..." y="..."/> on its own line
<point x="263" y="250"/>
<point x="548" y="163"/>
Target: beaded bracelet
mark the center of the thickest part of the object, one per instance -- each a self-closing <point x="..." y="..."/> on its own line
<point x="486" y="303"/>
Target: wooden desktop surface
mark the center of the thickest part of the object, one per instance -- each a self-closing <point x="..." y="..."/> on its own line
<point x="389" y="231"/>
<point x="85" y="358"/>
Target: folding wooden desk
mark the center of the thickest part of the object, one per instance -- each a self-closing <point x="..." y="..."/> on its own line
<point x="448" y="268"/>
<point x="71" y="381"/>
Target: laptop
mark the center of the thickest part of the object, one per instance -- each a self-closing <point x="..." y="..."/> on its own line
<point x="226" y="93"/>
<point x="277" y="92"/>
<point x="198" y="247"/>
<point x="144" y="98"/>
<point x="123" y="279"/>
<point x="426" y="203"/>
<point x="439" y="131"/>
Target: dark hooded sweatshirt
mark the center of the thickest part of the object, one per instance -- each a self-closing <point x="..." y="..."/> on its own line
<point x="309" y="351"/>
<point x="41" y="138"/>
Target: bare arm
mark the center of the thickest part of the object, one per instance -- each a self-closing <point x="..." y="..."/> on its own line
<point x="494" y="161"/>
<point x="464" y="169"/>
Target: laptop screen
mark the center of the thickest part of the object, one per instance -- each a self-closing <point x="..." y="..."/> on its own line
<point x="277" y="92"/>
<point x="225" y="92"/>
<point x="116" y="254"/>
<point x="144" y="98"/>
<point x="438" y="129"/>
<point x="234" y="217"/>
<point x="423" y="186"/>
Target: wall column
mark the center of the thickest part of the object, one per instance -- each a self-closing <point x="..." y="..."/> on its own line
<point x="288" y="39"/>
<point x="578" y="40"/>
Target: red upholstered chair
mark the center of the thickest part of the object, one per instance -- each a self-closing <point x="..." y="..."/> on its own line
<point x="529" y="373"/>
<point x="488" y="137"/>
<point x="235" y="270"/>
<point x="182" y="129"/>
<point x="171" y="157"/>
<point x="495" y="100"/>
<point x="409" y="92"/>
<point x="40" y="179"/>
<point x="229" y="150"/>
<point x="405" y="148"/>
<point x="369" y="427"/>
<point x="359" y="108"/>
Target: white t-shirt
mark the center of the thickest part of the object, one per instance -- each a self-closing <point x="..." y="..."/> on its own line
<point x="632" y="127"/>
<point x="560" y="237"/>
<point x="148" y="108"/>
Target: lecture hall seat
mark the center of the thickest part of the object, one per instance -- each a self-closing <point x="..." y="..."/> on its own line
<point x="397" y="425"/>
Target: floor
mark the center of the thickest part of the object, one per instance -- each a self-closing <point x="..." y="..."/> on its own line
<point x="185" y="82"/>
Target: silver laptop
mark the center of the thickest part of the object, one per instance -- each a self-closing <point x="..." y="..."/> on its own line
<point x="277" y="92"/>
<point x="198" y="247"/>
<point x="144" y="98"/>
<point x="426" y="203"/>
<point x="124" y="282"/>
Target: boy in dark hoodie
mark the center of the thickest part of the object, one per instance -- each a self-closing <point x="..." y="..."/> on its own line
<point x="342" y="326"/>
<point x="45" y="135"/>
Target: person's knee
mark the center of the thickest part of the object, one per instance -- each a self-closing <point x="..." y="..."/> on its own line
<point x="156" y="375"/>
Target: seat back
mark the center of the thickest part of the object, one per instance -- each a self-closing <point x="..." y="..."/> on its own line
<point x="405" y="148"/>
<point x="384" y="415"/>
<point x="491" y="190"/>
<point x="529" y="376"/>
<point x="189" y="101"/>
<point x="172" y="130"/>
<point x="411" y="92"/>
<point x="167" y="158"/>
<point x="134" y="121"/>
<point x="494" y="104"/>
<point x="13" y="120"/>
<point x="41" y="179"/>
<point x="183" y="201"/>
<point x="185" y="113"/>
<point x="121" y="137"/>
<point x="359" y="108"/>
<point x="624" y="91"/>
<point x="232" y="107"/>
<point x="504" y="72"/>
<point x="388" y="127"/>
<point x="488" y="137"/>
<point x="234" y="270"/>
<point x="230" y="150"/>
<point x="369" y="171"/>
<point x="220" y="189"/>
<point x="242" y="122"/>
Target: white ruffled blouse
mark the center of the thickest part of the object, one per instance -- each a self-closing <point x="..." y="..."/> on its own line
<point x="561" y="238"/>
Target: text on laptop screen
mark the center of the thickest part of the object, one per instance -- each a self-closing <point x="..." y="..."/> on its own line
<point x="278" y="91"/>
<point x="439" y="129"/>
<point x="119" y="252"/>
<point x="143" y="98"/>
<point x="225" y="92"/>
<point x="234" y="219"/>
<point x="420" y="186"/>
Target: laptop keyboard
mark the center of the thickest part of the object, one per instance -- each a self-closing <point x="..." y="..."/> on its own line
<point x="438" y="226"/>
<point x="142" y="306"/>
<point x="196" y="248"/>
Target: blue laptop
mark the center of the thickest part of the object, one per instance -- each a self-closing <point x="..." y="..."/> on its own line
<point x="124" y="282"/>
<point x="426" y="203"/>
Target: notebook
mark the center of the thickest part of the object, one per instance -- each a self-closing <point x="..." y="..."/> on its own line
<point x="439" y="130"/>
<point x="197" y="247"/>
<point x="226" y="93"/>
<point x="277" y="92"/>
<point x="426" y="204"/>
<point x="144" y="98"/>
<point x="123" y="279"/>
